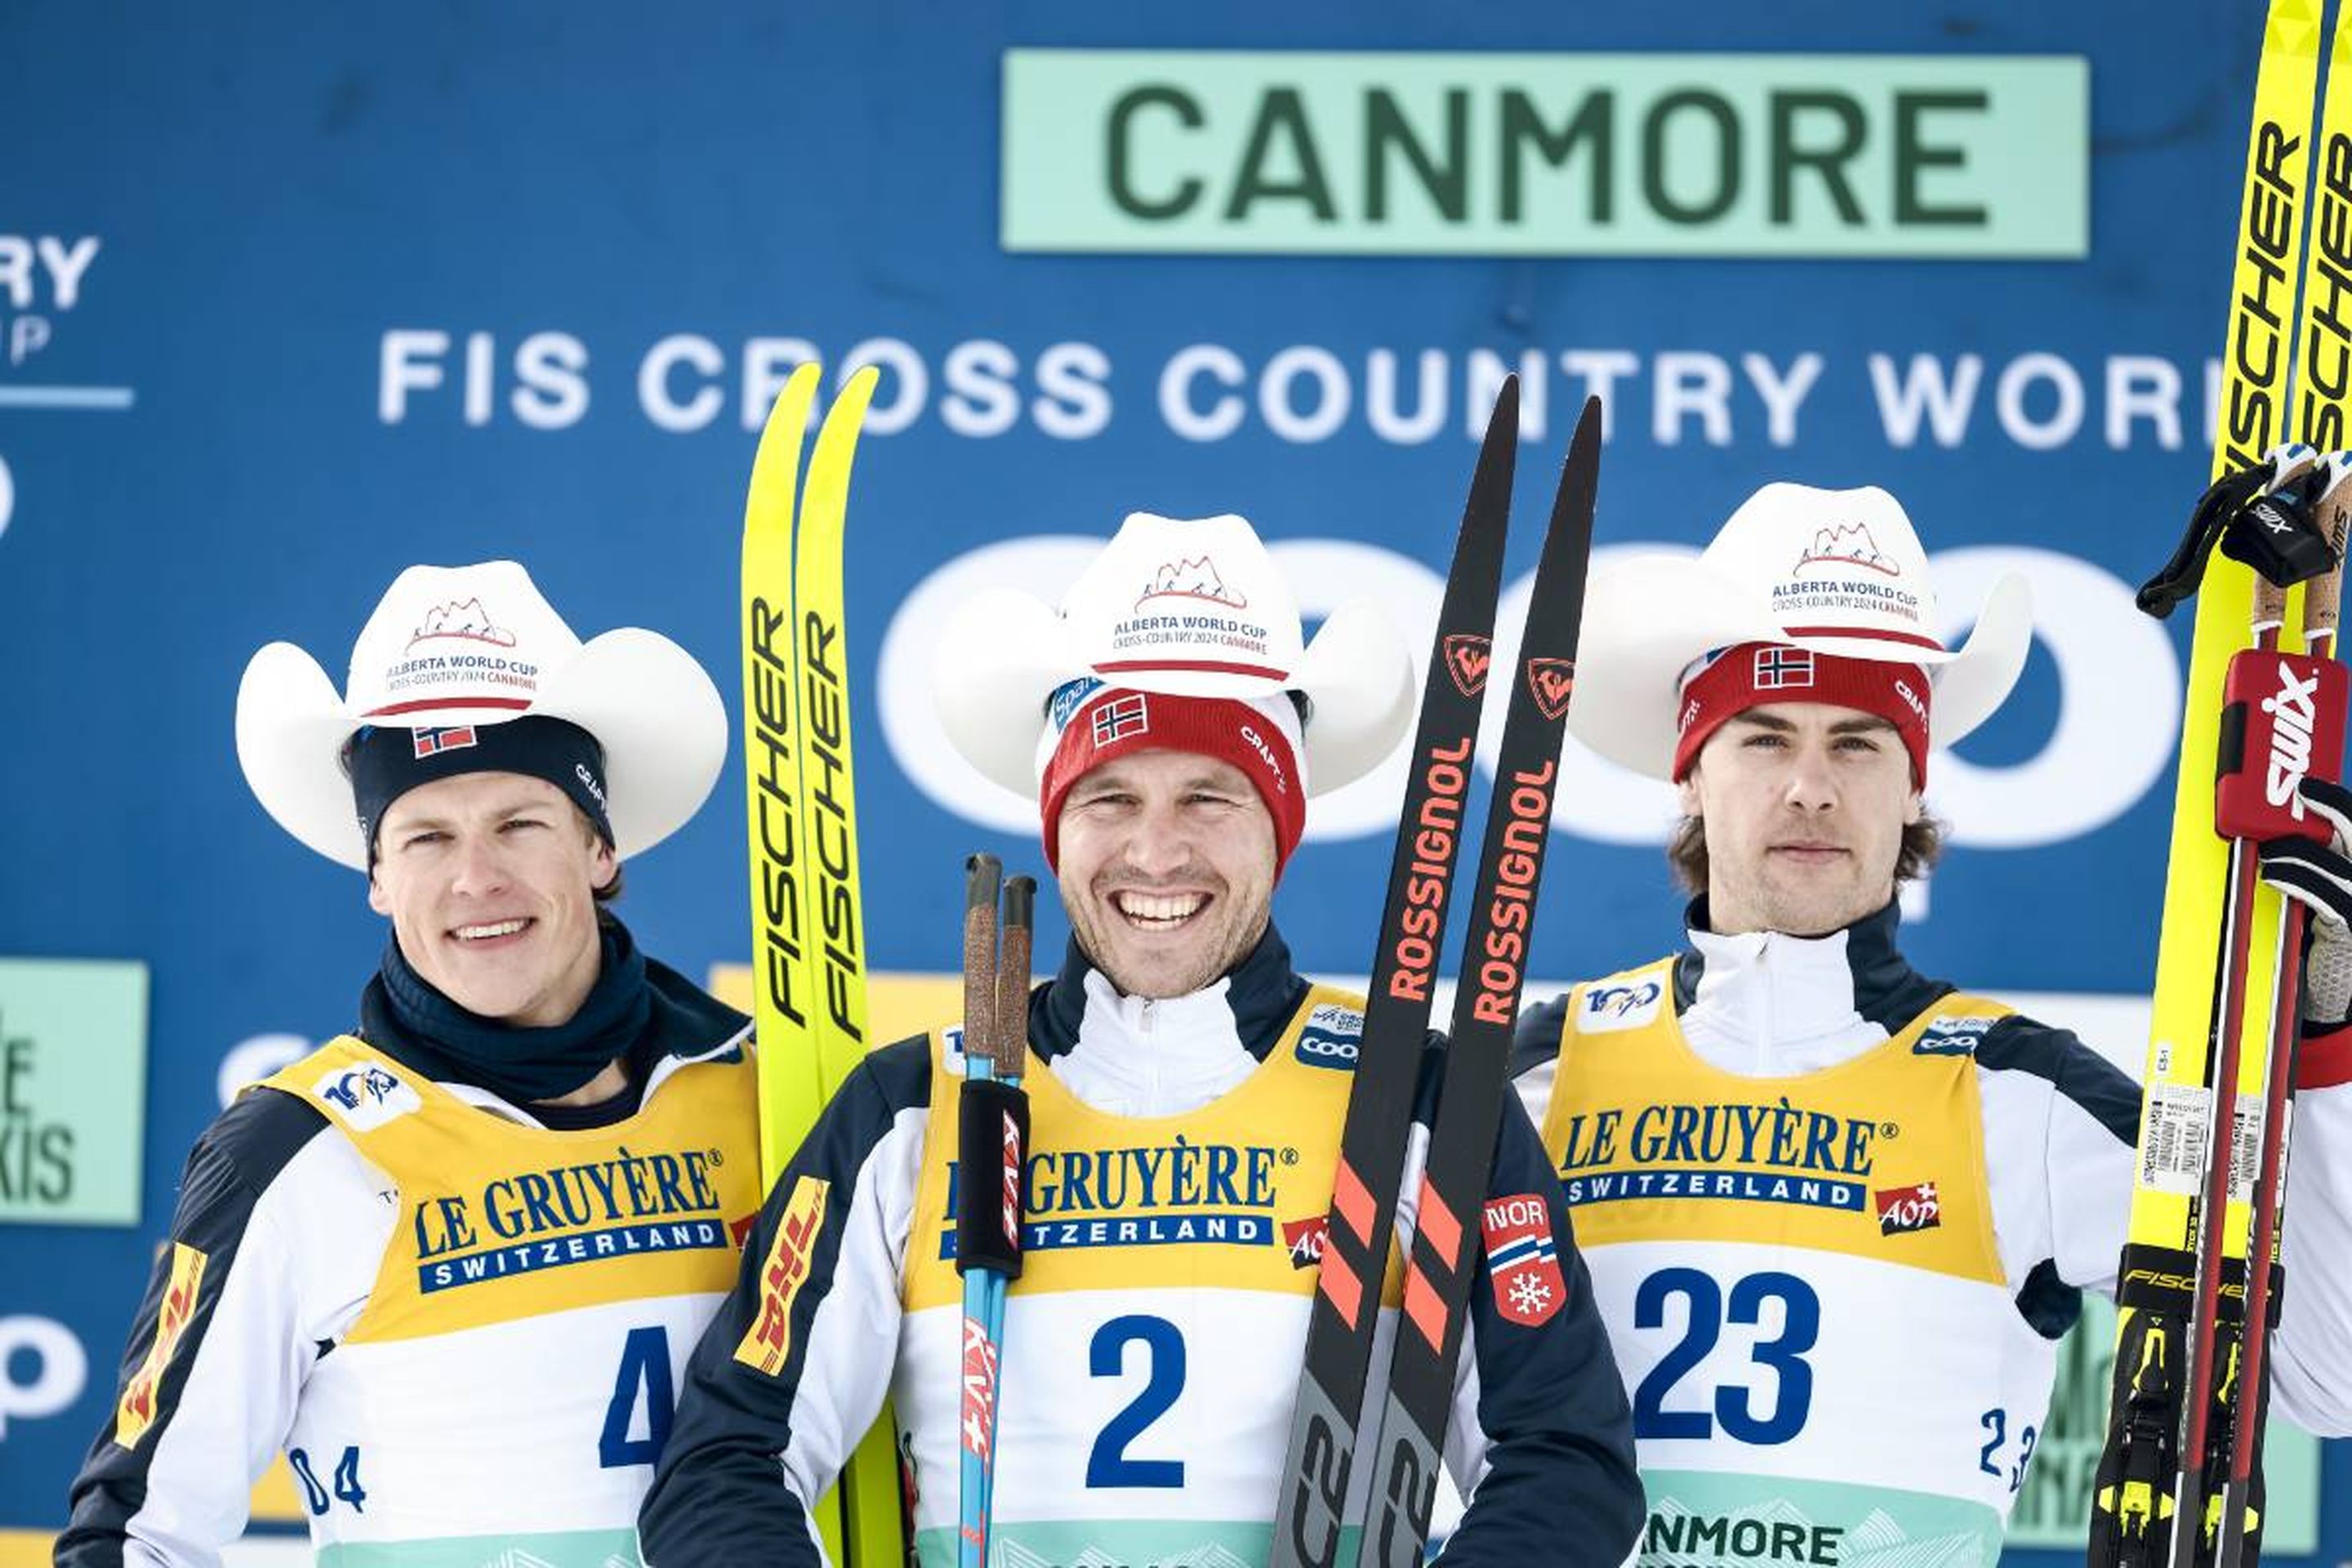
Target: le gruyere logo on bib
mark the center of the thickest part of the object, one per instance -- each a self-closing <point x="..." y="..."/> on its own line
<point x="1745" y="1151"/>
<point x="136" y="1415"/>
<point x="1330" y="1038"/>
<point x="1608" y="1007"/>
<point x="523" y="1222"/>
<point x="1178" y="1193"/>
<point x="1523" y="1259"/>
<point x="767" y="1345"/>
<point x="365" y="1095"/>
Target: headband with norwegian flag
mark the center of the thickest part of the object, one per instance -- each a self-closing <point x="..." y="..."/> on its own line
<point x="1731" y="680"/>
<point x="1089" y="724"/>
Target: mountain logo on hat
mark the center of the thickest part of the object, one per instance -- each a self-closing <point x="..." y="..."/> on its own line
<point x="1466" y="660"/>
<point x="1193" y="579"/>
<point x="1553" y="682"/>
<point x="1849" y="544"/>
<point x="465" y="619"/>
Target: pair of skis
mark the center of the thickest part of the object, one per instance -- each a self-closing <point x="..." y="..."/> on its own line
<point x="1311" y="1525"/>
<point x="2179" y="1481"/>
<point x="808" y="941"/>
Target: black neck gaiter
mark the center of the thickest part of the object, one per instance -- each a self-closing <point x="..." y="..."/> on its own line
<point x="521" y="1064"/>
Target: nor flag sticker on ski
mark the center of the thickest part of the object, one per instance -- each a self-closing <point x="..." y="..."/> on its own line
<point x="1522" y="1258"/>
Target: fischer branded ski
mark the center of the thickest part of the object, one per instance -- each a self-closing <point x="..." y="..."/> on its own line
<point x="1453" y="1216"/>
<point x="808" y="938"/>
<point x="1310" y="1529"/>
<point x="2178" y="1482"/>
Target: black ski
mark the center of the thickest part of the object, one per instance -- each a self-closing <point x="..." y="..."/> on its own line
<point x="1439" y="1269"/>
<point x="1361" y="1227"/>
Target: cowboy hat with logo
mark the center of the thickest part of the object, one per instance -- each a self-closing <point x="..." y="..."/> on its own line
<point x="1186" y="609"/>
<point x="1828" y="590"/>
<point x="452" y="652"/>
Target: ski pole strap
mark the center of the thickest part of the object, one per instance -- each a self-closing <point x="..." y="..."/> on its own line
<point x="2161" y="1280"/>
<point x="2276" y="535"/>
<point x="993" y="1134"/>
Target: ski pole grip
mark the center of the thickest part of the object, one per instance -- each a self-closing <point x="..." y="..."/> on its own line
<point x="992" y="1143"/>
<point x="983" y="874"/>
<point x="2281" y="722"/>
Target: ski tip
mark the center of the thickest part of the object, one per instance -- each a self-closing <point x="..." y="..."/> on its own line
<point x="788" y="414"/>
<point x="1588" y="427"/>
<point x="1502" y="422"/>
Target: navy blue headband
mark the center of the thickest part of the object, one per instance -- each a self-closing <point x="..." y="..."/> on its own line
<point x="385" y="764"/>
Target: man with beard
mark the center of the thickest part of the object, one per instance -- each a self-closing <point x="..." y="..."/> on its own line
<point x="1186" y="1087"/>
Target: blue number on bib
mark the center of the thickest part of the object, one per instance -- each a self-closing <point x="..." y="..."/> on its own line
<point x="347" y="1480"/>
<point x="645" y="1367"/>
<point x="314" y="1496"/>
<point x="1108" y="1465"/>
<point x="1734" y="1405"/>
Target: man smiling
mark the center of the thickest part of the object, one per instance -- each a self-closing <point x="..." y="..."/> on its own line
<point x="1838" y="1214"/>
<point x="451" y="1261"/>
<point x="1186" y="1097"/>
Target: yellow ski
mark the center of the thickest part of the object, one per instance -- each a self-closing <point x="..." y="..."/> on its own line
<point x="2132" y="1505"/>
<point x="808" y="935"/>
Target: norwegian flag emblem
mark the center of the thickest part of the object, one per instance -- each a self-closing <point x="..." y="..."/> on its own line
<point x="433" y="743"/>
<point x="1779" y="669"/>
<point x="1522" y="1258"/>
<point x="1466" y="659"/>
<point x="1122" y="716"/>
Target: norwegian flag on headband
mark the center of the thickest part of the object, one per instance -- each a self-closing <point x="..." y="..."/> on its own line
<point x="1780" y="668"/>
<point x="1120" y="718"/>
<point x="433" y="743"/>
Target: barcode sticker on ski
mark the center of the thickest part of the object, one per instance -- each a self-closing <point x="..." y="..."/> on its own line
<point x="2246" y="1149"/>
<point x="2172" y="1152"/>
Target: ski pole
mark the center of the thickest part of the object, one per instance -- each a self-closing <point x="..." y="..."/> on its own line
<point x="993" y="1135"/>
<point x="2326" y="685"/>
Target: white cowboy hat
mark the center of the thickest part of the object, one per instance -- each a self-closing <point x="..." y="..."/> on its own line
<point x="1838" y="571"/>
<point x="1194" y="608"/>
<point x="479" y="645"/>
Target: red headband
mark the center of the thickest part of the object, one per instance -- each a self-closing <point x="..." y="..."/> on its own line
<point x="1115" y="721"/>
<point x="1755" y="673"/>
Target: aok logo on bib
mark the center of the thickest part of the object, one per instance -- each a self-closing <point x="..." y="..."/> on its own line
<point x="1522" y="1258"/>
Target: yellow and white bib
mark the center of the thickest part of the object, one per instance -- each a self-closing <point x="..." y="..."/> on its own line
<point x="508" y="1384"/>
<point x="1153" y="1341"/>
<point x="1794" y="1268"/>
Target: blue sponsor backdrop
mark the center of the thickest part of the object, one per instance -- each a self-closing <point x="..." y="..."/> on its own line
<point x="323" y="295"/>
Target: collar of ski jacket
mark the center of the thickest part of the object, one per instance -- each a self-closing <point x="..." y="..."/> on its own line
<point x="1766" y="1003"/>
<point x="638" y="1012"/>
<point x="1254" y="999"/>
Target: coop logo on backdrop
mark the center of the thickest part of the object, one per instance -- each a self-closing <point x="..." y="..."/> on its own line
<point x="2117" y="713"/>
<point x="43" y="1370"/>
